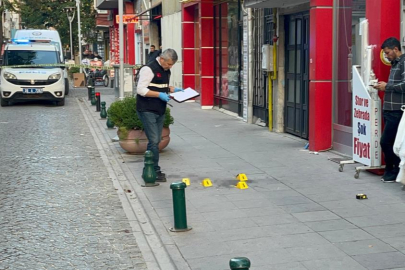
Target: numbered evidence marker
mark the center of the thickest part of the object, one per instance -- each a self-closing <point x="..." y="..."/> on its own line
<point x="242" y="185"/>
<point x="241" y="177"/>
<point x="186" y="181"/>
<point x="207" y="182"/>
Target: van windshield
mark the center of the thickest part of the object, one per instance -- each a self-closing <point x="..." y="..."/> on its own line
<point x="25" y="57"/>
<point x="57" y="46"/>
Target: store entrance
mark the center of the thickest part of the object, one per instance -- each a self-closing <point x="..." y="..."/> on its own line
<point x="297" y="74"/>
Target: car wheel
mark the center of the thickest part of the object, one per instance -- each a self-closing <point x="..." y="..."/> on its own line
<point x="106" y="80"/>
<point x="67" y="86"/>
<point x="4" y="103"/>
<point x="60" y="103"/>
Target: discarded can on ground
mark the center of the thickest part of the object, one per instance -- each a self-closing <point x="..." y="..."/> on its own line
<point x="361" y="196"/>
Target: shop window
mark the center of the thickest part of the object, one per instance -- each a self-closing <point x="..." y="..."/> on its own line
<point x="227" y="46"/>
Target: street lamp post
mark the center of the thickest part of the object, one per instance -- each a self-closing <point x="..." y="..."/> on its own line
<point x="80" y="34"/>
<point x="121" y="47"/>
<point x="71" y="16"/>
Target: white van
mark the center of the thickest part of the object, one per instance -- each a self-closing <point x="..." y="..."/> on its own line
<point x="20" y="81"/>
<point x="41" y="34"/>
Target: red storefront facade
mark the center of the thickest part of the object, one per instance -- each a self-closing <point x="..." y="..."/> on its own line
<point x="333" y="35"/>
<point x="129" y="32"/>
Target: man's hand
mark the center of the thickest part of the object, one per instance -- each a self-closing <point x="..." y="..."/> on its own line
<point x="164" y="97"/>
<point x="380" y="86"/>
<point x="174" y="90"/>
<point x="178" y="90"/>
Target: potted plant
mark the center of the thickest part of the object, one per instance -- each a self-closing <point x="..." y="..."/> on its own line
<point x="132" y="138"/>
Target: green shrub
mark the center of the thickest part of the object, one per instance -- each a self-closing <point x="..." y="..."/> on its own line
<point x="74" y="70"/>
<point x="123" y="114"/>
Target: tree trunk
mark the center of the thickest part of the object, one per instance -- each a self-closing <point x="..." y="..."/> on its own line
<point x="1" y="23"/>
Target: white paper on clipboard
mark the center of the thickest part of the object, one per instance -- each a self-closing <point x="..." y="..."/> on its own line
<point x="187" y="94"/>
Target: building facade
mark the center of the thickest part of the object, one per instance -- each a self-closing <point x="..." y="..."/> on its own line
<point x="284" y="64"/>
<point x="318" y="43"/>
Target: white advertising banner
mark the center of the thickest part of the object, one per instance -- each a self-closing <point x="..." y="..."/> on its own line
<point x="245" y="54"/>
<point x="366" y="123"/>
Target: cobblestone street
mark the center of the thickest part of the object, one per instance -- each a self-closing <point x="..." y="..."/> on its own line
<point x="58" y="206"/>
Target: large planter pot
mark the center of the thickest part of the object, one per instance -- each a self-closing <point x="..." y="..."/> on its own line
<point x="136" y="141"/>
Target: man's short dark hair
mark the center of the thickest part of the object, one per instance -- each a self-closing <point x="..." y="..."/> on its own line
<point x="391" y="43"/>
<point x="152" y="46"/>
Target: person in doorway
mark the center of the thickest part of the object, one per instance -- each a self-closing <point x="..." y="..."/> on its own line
<point x="394" y="98"/>
<point x="86" y="54"/>
<point x="91" y="55"/>
<point x="152" y="96"/>
<point x="153" y="53"/>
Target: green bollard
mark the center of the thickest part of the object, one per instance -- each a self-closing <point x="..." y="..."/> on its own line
<point x="179" y="207"/>
<point x="93" y="97"/>
<point x="103" y="112"/>
<point x="239" y="263"/>
<point x="90" y="80"/>
<point x="109" y="123"/>
<point x="149" y="174"/>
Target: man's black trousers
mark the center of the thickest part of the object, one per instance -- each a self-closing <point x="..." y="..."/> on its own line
<point x="391" y="123"/>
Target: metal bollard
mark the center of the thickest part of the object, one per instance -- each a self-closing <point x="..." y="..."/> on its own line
<point x="98" y="101"/>
<point x="179" y="207"/>
<point x="103" y="112"/>
<point x="90" y="80"/>
<point x="93" y="97"/>
<point x="239" y="263"/>
<point x="109" y="123"/>
<point x="148" y="173"/>
<point x="89" y="89"/>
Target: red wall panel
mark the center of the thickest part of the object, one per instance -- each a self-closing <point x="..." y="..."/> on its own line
<point x="320" y="3"/>
<point x="320" y="115"/>
<point x="320" y="52"/>
<point x="188" y="61"/>
<point x="131" y="43"/>
<point x="383" y="23"/>
<point x="207" y="88"/>
<point x="320" y="74"/>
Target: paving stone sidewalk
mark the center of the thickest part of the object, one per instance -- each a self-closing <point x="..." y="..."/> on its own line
<point x="299" y="211"/>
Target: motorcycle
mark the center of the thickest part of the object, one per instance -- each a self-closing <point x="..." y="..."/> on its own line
<point x="95" y="74"/>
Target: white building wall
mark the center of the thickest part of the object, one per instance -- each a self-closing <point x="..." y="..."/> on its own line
<point x="171" y="38"/>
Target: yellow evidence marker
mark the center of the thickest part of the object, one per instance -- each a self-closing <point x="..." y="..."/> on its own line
<point x="241" y="177"/>
<point x="242" y="185"/>
<point x="206" y="182"/>
<point x="186" y="181"/>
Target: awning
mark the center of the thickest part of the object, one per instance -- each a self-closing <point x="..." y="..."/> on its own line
<point x="151" y="9"/>
<point x="273" y="3"/>
<point x="107" y="4"/>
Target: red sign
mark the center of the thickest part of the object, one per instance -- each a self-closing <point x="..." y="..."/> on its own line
<point x="114" y="48"/>
<point x="127" y="18"/>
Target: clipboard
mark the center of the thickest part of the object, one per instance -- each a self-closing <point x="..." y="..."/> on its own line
<point x="182" y="96"/>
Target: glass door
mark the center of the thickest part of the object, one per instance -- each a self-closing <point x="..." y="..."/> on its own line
<point x="297" y="74"/>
